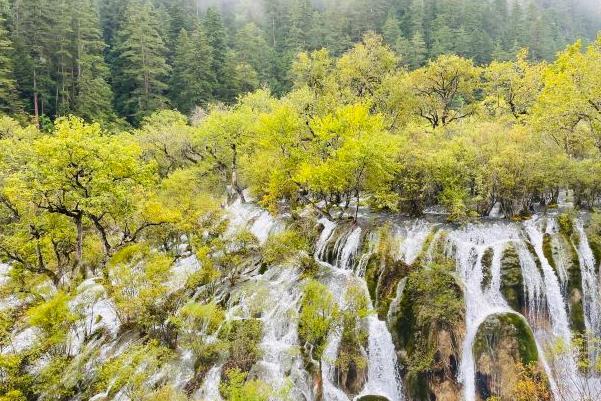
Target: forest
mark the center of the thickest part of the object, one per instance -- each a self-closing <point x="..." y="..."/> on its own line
<point x="117" y="61"/>
<point x="290" y="200"/>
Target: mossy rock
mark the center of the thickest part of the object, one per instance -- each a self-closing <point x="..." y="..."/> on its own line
<point x="487" y="268"/>
<point x="427" y="329"/>
<point x="512" y="281"/>
<point x="372" y="398"/>
<point x="550" y="252"/>
<point x="503" y="343"/>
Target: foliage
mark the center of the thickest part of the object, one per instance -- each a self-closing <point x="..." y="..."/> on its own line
<point x="319" y="314"/>
<point x="238" y="388"/>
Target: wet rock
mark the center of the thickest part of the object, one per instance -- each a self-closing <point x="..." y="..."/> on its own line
<point x="504" y="343"/>
<point x="428" y="327"/>
<point x="372" y="398"/>
<point x="512" y="281"/>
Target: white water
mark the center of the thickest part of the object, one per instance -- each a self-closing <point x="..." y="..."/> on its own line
<point x="383" y="377"/>
<point x="250" y="217"/>
<point x="590" y="283"/>
<point x="210" y="388"/>
<point x="468" y="247"/>
<point x="414" y="240"/>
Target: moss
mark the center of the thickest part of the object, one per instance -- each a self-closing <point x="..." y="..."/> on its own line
<point x="393" y="273"/>
<point x="566" y="223"/>
<point x="487" y="267"/>
<point x="512" y="281"/>
<point x="574" y="287"/>
<point x="372" y="274"/>
<point x="432" y="302"/>
<point x="593" y="232"/>
<point x="548" y="252"/>
<point x="503" y="344"/>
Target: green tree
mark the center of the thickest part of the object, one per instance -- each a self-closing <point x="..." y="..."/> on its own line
<point x="93" y="97"/>
<point x="9" y="98"/>
<point x="445" y="89"/>
<point x="217" y="39"/>
<point x="192" y="81"/>
<point x="140" y="69"/>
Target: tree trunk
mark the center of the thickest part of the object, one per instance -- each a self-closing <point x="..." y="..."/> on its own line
<point x="36" y="110"/>
<point x="79" y="250"/>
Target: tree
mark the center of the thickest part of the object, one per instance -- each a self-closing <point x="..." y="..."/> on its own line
<point x="89" y="177"/>
<point x="318" y="315"/>
<point x="362" y="69"/>
<point x="140" y="69"/>
<point x="192" y="82"/>
<point x="217" y="39"/>
<point x="9" y="98"/>
<point x="391" y="31"/>
<point x="514" y="84"/>
<point x="569" y="107"/>
<point x="225" y="135"/>
<point x="253" y="50"/>
<point x="445" y="90"/>
<point x="93" y="97"/>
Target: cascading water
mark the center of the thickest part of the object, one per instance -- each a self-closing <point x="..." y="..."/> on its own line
<point x="382" y="370"/>
<point x="468" y="247"/>
<point x="414" y="241"/>
<point x="383" y="378"/>
<point x="590" y="283"/>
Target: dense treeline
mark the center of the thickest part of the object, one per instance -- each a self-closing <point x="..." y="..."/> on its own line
<point x="117" y="61"/>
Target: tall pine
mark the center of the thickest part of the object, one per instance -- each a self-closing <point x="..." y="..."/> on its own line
<point x="9" y="98"/>
<point x="140" y="70"/>
<point x="93" y="95"/>
<point x="192" y="82"/>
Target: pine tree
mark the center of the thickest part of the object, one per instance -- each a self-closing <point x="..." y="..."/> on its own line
<point x="442" y="37"/>
<point x="217" y="39"/>
<point x="252" y="49"/>
<point x="9" y="98"/>
<point x="140" y="70"/>
<point x="301" y="14"/>
<point x="391" y="31"/>
<point x="33" y="39"/>
<point x="417" y="57"/>
<point x="192" y="81"/>
<point x="93" y="95"/>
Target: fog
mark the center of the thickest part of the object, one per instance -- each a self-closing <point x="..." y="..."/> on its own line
<point x="254" y="8"/>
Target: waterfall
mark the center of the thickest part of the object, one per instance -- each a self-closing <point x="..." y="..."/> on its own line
<point x="414" y="241"/>
<point x="348" y="246"/>
<point x="590" y="283"/>
<point x="280" y="360"/>
<point x="247" y="216"/>
<point x="469" y="246"/>
<point x="210" y="388"/>
<point x="383" y="376"/>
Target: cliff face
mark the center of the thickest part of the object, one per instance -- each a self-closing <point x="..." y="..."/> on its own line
<point x="376" y="310"/>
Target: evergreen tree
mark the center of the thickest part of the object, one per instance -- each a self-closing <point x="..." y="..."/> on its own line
<point x="93" y="95"/>
<point x="217" y="39"/>
<point x="417" y="56"/>
<point x="140" y="70"/>
<point x="252" y="49"/>
<point x="192" y="81"/>
<point x="301" y="14"/>
<point x="33" y="38"/>
<point x="9" y="98"/>
<point x="391" y="31"/>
